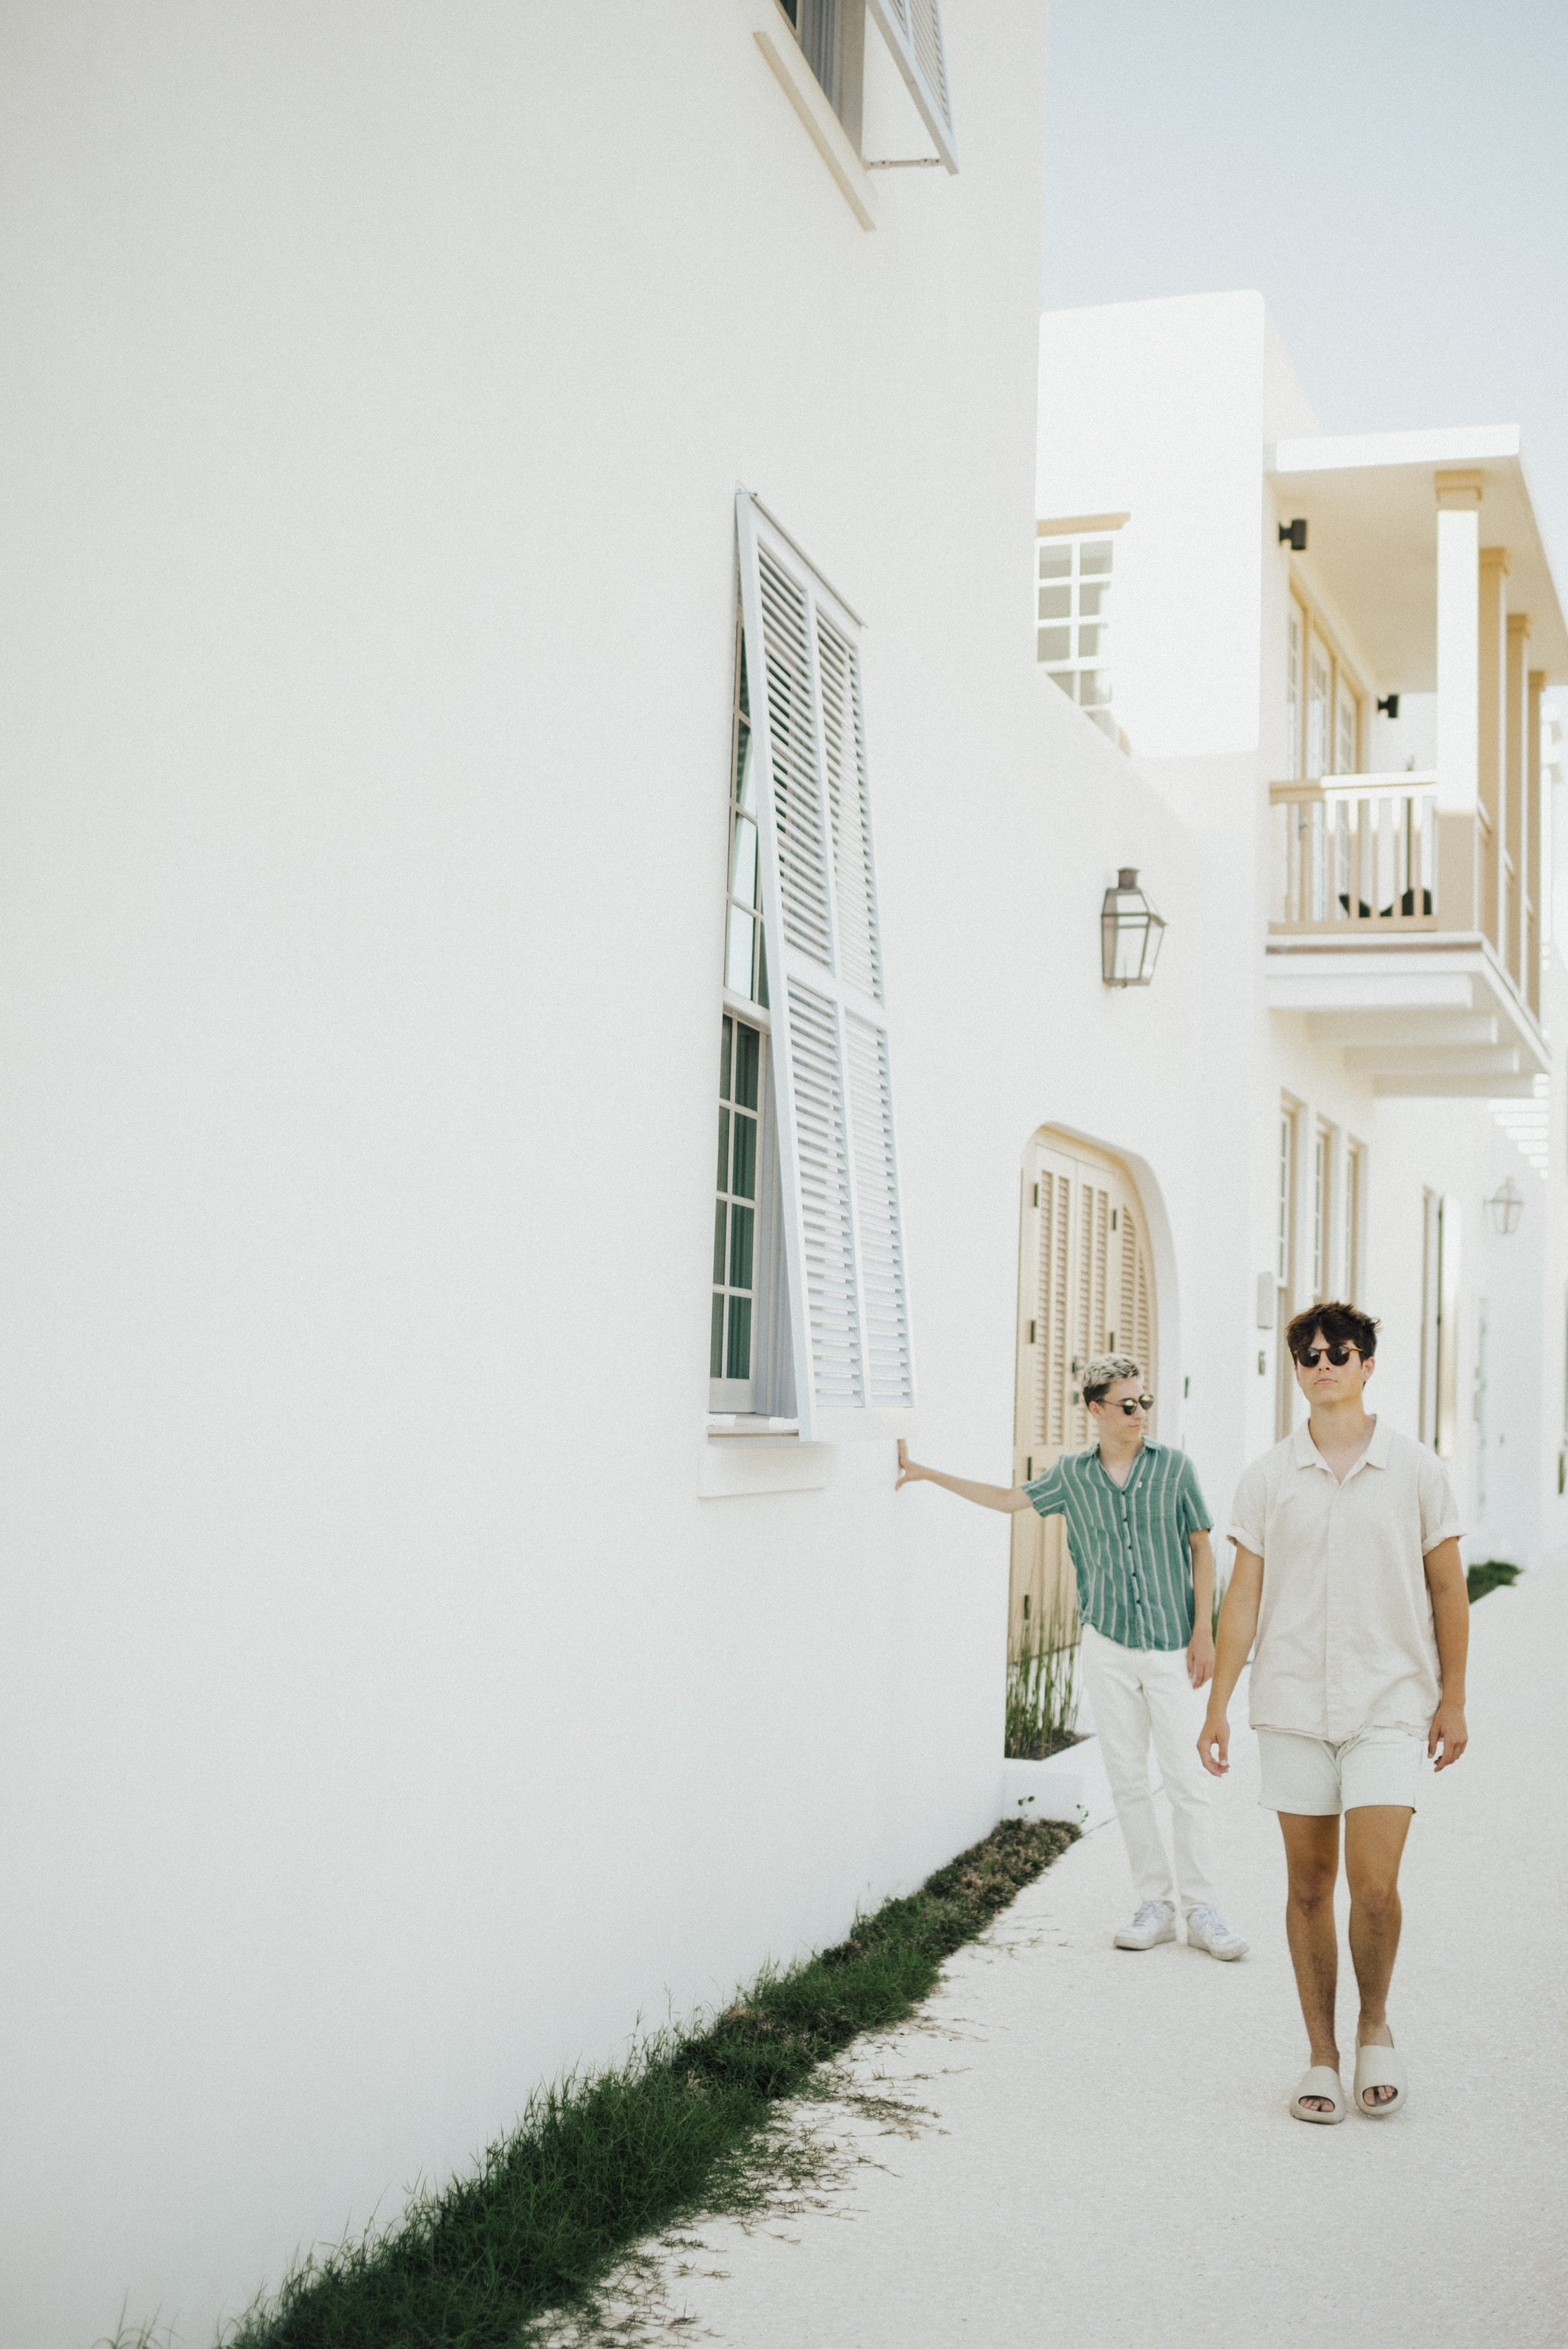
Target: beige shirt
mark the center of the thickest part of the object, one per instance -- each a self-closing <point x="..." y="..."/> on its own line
<point x="1345" y="1628"/>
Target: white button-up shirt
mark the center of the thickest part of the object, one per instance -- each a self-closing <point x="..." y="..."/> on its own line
<point x="1345" y="1637"/>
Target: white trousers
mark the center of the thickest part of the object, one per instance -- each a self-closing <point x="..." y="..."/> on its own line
<point x="1133" y="1693"/>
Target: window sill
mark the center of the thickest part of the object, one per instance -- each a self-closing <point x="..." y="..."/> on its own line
<point x="743" y="1456"/>
<point x="809" y="100"/>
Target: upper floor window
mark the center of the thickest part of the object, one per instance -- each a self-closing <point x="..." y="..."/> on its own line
<point x="1073" y="595"/>
<point x="832" y="37"/>
<point x="1323" y="702"/>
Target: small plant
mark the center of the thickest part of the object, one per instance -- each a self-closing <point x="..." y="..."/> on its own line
<point x="1495" y="1574"/>
<point x="1042" y="1685"/>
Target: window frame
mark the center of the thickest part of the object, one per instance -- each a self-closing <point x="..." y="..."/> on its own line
<point x="1077" y="534"/>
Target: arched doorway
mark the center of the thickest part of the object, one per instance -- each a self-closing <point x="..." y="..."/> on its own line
<point x="1085" y="1287"/>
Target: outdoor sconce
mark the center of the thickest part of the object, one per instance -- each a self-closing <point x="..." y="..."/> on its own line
<point x="1130" y="932"/>
<point x="1389" y="705"/>
<point x="1293" y="535"/>
<point x="1505" y="1207"/>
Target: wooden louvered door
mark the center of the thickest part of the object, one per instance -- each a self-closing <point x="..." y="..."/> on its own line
<point x="1085" y="1288"/>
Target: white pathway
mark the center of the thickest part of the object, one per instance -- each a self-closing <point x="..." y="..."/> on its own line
<point x="1111" y="2160"/>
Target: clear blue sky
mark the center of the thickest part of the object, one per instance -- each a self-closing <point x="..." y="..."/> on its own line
<point x="1392" y="176"/>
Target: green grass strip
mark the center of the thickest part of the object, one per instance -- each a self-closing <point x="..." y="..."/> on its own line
<point x="1492" y="1574"/>
<point x="600" y="2161"/>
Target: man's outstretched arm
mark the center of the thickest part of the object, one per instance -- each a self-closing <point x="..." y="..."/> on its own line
<point x="1238" y="1629"/>
<point x="989" y="1496"/>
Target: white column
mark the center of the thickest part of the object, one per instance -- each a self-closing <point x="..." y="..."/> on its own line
<point x="1458" y="698"/>
<point x="1458" y="641"/>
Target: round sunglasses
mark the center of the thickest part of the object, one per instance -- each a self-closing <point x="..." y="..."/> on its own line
<point x="1310" y="1356"/>
<point x="1131" y="1404"/>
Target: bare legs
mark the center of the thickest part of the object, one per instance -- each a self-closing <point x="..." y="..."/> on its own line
<point x="1373" y="1842"/>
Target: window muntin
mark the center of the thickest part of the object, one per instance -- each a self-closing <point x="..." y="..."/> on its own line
<point x="1072" y="593"/>
<point x="1347" y="728"/>
<point x="745" y="954"/>
<point x="737" y="1258"/>
<point x="1320" y="686"/>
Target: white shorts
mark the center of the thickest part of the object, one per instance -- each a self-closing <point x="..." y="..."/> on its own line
<point x="1315" y="1780"/>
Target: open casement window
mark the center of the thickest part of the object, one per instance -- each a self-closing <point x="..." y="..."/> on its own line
<point x="913" y="32"/>
<point x="838" y="1186"/>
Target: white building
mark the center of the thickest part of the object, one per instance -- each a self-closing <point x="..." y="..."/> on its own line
<point x="424" y="1664"/>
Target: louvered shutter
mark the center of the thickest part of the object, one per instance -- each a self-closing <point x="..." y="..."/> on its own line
<point x="838" y="1168"/>
<point x="913" y="31"/>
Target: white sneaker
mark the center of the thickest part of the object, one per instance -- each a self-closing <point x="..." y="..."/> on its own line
<point x="1207" y="1929"/>
<point x="1154" y="1921"/>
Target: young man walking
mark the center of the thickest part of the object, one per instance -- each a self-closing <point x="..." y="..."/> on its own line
<point x="1138" y="1535"/>
<point x="1348" y="1576"/>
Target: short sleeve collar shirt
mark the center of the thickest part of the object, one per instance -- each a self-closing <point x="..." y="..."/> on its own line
<point x="1129" y="1543"/>
<point x="1345" y="1636"/>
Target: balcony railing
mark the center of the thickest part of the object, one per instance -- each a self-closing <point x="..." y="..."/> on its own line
<point x="1355" y="855"/>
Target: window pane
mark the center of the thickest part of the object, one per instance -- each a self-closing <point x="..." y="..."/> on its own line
<point x="1056" y="560"/>
<point x="719" y="1214"/>
<point x="745" y="777"/>
<point x="1064" y="677"/>
<point x="1056" y="603"/>
<point x="740" y="1362"/>
<point x="1054" y="644"/>
<point x="762" y="993"/>
<point x="744" y="1186"/>
<point x="1092" y="599"/>
<point x="737" y="947"/>
<point x="1093" y="687"/>
<point x="748" y="1052"/>
<point x="1089" y="640"/>
<point x="741" y="1222"/>
<point x="716" y="1341"/>
<point x="725" y="1058"/>
<point x="1095" y="559"/>
<point x="743" y="861"/>
<point x="723" y="1183"/>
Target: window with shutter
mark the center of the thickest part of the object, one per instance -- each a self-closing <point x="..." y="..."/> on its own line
<point x="837" y="1165"/>
<point x="913" y="32"/>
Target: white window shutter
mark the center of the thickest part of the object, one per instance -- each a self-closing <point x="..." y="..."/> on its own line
<point x="913" y="31"/>
<point x="844" y="1239"/>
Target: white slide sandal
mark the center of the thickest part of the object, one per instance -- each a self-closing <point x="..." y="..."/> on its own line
<point x="1321" y="2080"/>
<point x="1379" y="2067"/>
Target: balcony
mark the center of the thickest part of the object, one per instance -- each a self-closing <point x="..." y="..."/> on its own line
<point x="1389" y="928"/>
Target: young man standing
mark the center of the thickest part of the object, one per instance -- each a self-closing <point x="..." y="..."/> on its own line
<point x="1138" y="1534"/>
<point x="1348" y="1575"/>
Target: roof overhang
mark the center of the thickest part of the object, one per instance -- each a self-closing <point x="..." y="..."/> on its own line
<point x="1435" y="1017"/>
<point x="1370" y="502"/>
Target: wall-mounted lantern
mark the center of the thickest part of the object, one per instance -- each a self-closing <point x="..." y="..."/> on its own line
<point x="1130" y="932"/>
<point x="1389" y="705"/>
<point x="1505" y="1207"/>
<point x="1294" y="534"/>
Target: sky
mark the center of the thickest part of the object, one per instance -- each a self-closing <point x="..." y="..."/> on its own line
<point x="1391" y="175"/>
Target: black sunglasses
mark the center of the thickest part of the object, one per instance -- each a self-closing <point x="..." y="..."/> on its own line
<point x="1132" y="1404"/>
<point x="1310" y="1356"/>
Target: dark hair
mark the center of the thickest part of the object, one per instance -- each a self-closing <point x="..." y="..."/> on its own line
<point x="1342" y="1325"/>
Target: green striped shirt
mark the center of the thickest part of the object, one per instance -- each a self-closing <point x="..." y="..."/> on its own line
<point x="1129" y="1542"/>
